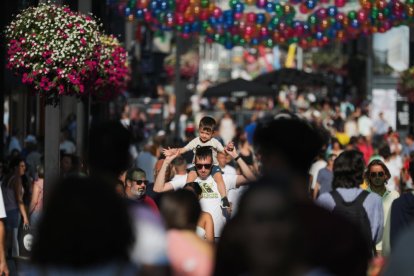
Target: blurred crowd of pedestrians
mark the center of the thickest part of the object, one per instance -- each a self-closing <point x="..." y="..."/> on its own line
<point x="317" y="192"/>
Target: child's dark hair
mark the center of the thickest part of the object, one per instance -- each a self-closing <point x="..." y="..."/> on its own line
<point x="207" y="123"/>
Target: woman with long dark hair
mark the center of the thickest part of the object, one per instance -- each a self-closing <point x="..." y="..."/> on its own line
<point x="13" y="195"/>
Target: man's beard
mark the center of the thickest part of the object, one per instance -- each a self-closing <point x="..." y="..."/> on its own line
<point x="139" y="193"/>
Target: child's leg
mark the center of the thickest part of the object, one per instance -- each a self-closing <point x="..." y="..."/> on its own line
<point x="218" y="178"/>
<point x="191" y="176"/>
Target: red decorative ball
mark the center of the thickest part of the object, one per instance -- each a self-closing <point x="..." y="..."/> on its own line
<point x="179" y="18"/>
<point x="251" y="17"/>
<point x="340" y="3"/>
<point x="217" y="12"/>
<point x="362" y="15"/>
<point x="204" y="14"/>
<point x="238" y="16"/>
<point x="303" y="8"/>
<point x="147" y="16"/>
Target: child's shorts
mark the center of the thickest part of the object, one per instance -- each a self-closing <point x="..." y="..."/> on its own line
<point x="214" y="169"/>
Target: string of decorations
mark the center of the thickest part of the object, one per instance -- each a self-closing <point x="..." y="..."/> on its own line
<point x="272" y="22"/>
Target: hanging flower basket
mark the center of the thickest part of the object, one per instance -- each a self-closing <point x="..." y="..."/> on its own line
<point x="406" y="84"/>
<point x="113" y="70"/>
<point x="53" y="49"/>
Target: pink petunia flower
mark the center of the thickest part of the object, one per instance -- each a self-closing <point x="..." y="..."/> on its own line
<point x="61" y="89"/>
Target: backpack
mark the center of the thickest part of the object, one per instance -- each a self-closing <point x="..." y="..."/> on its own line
<point x="354" y="212"/>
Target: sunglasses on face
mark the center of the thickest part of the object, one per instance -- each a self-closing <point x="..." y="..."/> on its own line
<point x="139" y="182"/>
<point x="200" y="166"/>
<point x="376" y="174"/>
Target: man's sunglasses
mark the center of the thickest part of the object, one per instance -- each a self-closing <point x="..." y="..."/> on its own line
<point x="139" y="182"/>
<point x="376" y="174"/>
<point x="206" y="166"/>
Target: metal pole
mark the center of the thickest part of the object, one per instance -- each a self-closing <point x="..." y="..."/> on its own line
<point x="85" y="6"/>
<point x="369" y="71"/>
<point x="4" y="20"/>
<point x="82" y="107"/>
<point x="299" y="58"/>
<point x="129" y="33"/>
<point x="52" y="161"/>
<point x="52" y="127"/>
<point x="178" y="91"/>
<point x="411" y="104"/>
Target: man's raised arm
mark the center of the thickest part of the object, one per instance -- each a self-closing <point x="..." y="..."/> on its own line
<point x="160" y="185"/>
<point x="247" y="173"/>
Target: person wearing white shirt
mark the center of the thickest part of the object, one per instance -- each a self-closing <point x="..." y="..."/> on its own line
<point x="377" y="175"/>
<point x="365" y="125"/>
<point x="319" y="164"/>
<point x="180" y="171"/>
<point x="210" y="199"/>
<point x="4" y="270"/>
<point x="66" y="145"/>
<point x="380" y="125"/>
<point x="233" y="194"/>
<point x="394" y="168"/>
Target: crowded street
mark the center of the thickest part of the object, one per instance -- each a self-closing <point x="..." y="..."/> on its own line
<point x="207" y="137"/>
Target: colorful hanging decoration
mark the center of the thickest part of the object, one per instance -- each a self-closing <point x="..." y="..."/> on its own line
<point x="272" y="22"/>
<point x="113" y="71"/>
<point x="59" y="52"/>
